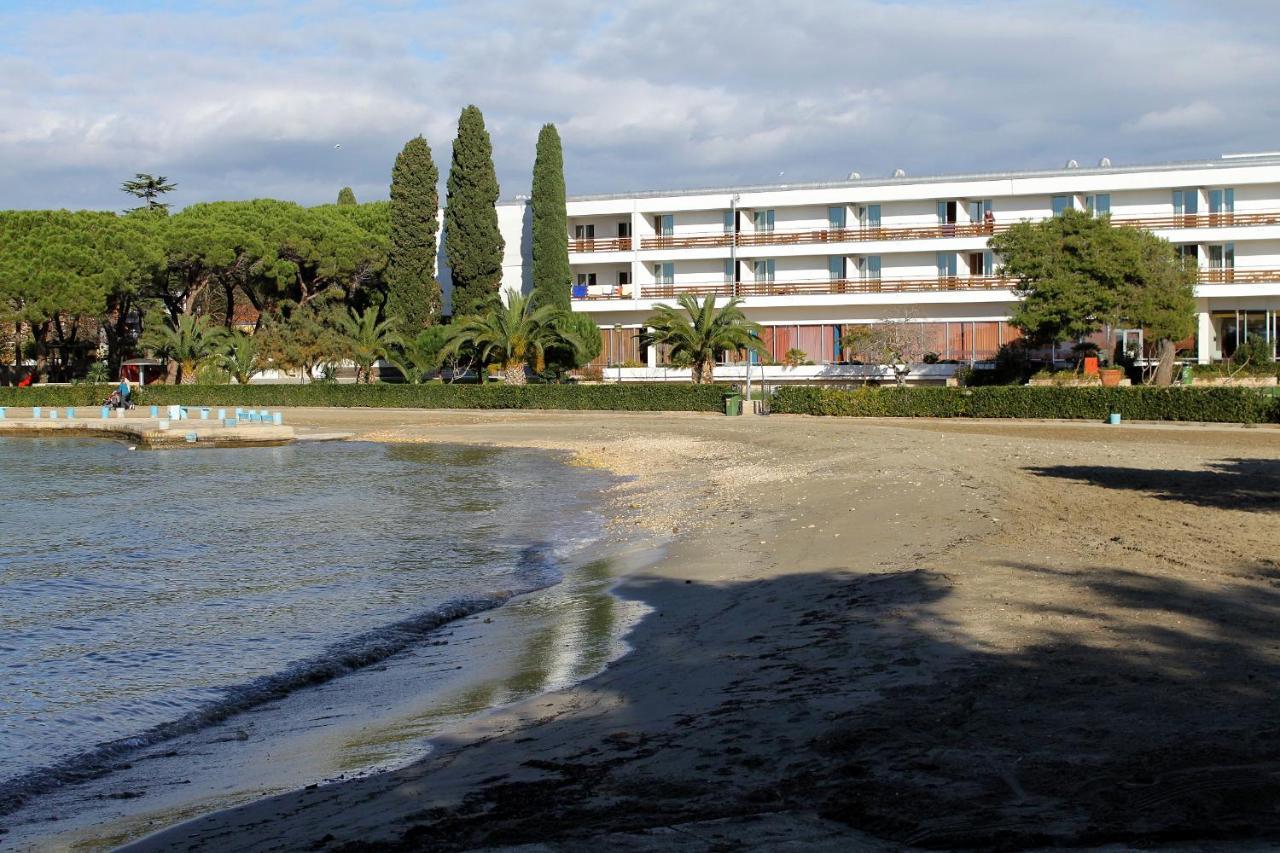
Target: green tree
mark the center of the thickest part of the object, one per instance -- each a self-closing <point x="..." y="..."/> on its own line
<point x="299" y="339"/>
<point x="551" y="276"/>
<point x="365" y="339"/>
<point x="149" y="188"/>
<point x="187" y="343"/>
<point x="239" y="357"/>
<point x="414" y="300"/>
<point x="701" y="331"/>
<point x="1077" y="274"/>
<point x="513" y="334"/>
<point x="421" y="358"/>
<point x="346" y="196"/>
<point x="587" y="344"/>
<point x="472" y="241"/>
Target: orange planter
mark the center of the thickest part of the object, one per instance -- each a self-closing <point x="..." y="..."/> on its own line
<point x="1090" y="365"/>
<point x="1111" y="376"/>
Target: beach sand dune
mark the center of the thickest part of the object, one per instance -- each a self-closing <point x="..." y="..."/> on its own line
<point x="872" y="635"/>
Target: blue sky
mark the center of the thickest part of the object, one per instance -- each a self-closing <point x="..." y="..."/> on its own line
<point x="239" y="100"/>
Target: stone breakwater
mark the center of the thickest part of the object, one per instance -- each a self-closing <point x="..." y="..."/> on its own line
<point x="153" y="432"/>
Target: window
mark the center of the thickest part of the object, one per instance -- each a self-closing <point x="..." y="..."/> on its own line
<point x="624" y="229"/>
<point x="871" y="267"/>
<point x="1098" y="205"/>
<point x="728" y="271"/>
<point x="1189" y="253"/>
<point x="664" y="273"/>
<point x="1186" y="202"/>
<point x="978" y="210"/>
<point x="763" y="220"/>
<point x="1222" y="257"/>
<point x="584" y="232"/>
<point x="586" y="279"/>
<point x="1222" y="202"/>
<point x="835" y="267"/>
<point x="664" y="225"/>
<point x="624" y="278"/>
<point x="728" y="222"/>
<point x="981" y="263"/>
<point x="836" y="218"/>
<point x="871" y="216"/>
<point x="764" y="269"/>
<point x="946" y="264"/>
<point x="1061" y="203"/>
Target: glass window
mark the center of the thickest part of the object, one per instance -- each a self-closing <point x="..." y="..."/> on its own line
<point x="664" y="273"/>
<point x="835" y="267"/>
<point x="764" y="269"/>
<point x="728" y="222"/>
<point x="1222" y="201"/>
<point x="624" y="229"/>
<point x="1098" y="205"/>
<point x="764" y="220"/>
<point x="665" y="224"/>
<point x="946" y="264"/>
<point x="871" y="267"/>
<point x="873" y="216"/>
<point x="1061" y="203"/>
<point x="728" y="270"/>
<point x="1186" y="202"/>
<point x="835" y="217"/>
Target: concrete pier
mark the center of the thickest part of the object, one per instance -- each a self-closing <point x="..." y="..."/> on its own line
<point x="146" y="431"/>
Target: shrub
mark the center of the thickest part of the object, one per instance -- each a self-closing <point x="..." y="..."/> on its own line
<point x="639" y="396"/>
<point x="1225" y="405"/>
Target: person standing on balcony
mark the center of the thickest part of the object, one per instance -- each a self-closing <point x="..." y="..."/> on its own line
<point x="989" y="221"/>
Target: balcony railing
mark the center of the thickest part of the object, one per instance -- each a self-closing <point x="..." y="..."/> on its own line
<point x="606" y="244"/>
<point x="873" y="233"/>
<point x="1239" y="275"/>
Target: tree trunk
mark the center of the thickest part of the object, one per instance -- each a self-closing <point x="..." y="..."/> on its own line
<point x="704" y="372"/>
<point x="513" y="373"/>
<point x="1164" y="370"/>
<point x="188" y="376"/>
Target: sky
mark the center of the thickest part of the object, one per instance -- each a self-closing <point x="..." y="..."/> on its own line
<point x="295" y="100"/>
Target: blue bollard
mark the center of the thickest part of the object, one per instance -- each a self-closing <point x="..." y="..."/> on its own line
<point x="1113" y="418"/>
<point x="155" y="411"/>
<point x="222" y="414"/>
<point x="35" y="412"/>
<point x="71" y="413"/>
<point x="1" y="413"/>
<point x="106" y="412"/>
<point x="204" y="413"/>
<point x="53" y="414"/>
<point x="277" y="418"/>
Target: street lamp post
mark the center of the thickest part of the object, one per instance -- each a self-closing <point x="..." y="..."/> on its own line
<point x="733" y="274"/>
<point x="617" y="336"/>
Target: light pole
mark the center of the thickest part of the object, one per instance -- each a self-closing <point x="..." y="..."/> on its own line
<point x="733" y="275"/>
<point x="617" y="336"/>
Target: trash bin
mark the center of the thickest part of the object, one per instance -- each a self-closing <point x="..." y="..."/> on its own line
<point x="733" y="404"/>
<point x="1186" y="374"/>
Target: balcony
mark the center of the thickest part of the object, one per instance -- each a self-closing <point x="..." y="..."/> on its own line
<point x="604" y="244"/>
<point x="1239" y="275"/>
<point x="827" y="287"/>
<point x="868" y="233"/>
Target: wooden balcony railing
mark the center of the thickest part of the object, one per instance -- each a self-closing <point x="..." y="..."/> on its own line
<point x="934" y="284"/>
<point x="866" y="234"/>
<point x="607" y="244"/>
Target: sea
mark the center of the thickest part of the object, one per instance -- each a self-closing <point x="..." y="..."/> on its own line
<point x="148" y="595"/>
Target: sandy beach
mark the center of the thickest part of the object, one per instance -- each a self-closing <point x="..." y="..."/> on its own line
<point x="871" y="634"/>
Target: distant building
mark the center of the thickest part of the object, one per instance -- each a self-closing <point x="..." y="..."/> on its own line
<point x="810" y="260"/>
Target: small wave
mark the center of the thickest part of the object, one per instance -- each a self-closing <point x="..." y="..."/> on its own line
<point x="337" y="660"/>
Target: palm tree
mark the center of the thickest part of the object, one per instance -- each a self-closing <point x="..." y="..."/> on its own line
<point x="365" y="339"/>
<point x="239" y="357"/>
<point x="188" y="343"/>
<point x="512" y="334"/>
<point x="419" y="358"/>
<point x="701" y="331"/>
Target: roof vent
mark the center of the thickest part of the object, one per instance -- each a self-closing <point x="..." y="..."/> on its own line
<point x="899" y="173"/>
<point x="1104" y="163"/>
<point x="1073" y="164"/>
<point x="855" y="176"/>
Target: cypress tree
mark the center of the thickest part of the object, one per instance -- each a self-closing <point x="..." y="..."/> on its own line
<point x="551" y="276"/>
<point x="472" y="241"/>
<point x="413" y="293"/>
<point x="346" y="196"/>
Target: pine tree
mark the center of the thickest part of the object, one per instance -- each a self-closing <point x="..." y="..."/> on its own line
<point x="472" y="241"/>
<point x="551" y="276"/>
<point x="413" y="293"/>
<point x="346" y="196"/>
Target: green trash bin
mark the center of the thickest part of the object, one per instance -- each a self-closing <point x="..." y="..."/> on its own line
<point x="1186" y="374"/>
<point x="733" y="404"/>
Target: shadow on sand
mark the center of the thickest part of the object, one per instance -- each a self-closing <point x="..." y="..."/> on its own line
<point x="1245" y="484"/>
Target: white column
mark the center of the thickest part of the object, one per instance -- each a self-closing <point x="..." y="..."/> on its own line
<point x="651" y="357"/>
<point x="1204" y="338"/>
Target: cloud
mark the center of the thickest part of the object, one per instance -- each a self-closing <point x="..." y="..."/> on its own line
<point x="236" y="100"/>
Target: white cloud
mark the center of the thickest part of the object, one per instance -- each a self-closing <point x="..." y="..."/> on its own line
<point x="648" y="94"/>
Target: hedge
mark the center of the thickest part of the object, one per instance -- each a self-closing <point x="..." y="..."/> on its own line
<point x="640" y="396"/>
<point x="1224" y="405"/>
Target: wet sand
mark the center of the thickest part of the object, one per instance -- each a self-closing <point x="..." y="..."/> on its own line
<point x="871" y="634"/>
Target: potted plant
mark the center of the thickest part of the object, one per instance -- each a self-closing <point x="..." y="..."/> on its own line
<point x="1111" y="375"/>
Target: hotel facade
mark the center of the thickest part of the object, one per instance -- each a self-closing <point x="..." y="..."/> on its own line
<point x="809" y="261"/>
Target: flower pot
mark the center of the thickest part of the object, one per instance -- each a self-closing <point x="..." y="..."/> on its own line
<point x="1111" y="376"/>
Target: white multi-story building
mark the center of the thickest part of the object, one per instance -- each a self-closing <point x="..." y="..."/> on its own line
<point x="811" y="260"/>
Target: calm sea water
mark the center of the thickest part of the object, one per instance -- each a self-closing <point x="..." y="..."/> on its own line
<point x="143" y="594"/>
